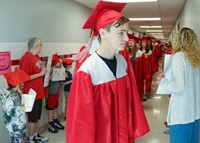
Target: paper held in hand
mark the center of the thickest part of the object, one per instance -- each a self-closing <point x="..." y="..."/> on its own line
<point x="168" y="74"/>
<point x="47" y="74"/>
<point x="28" y="100"/>
<point x="58" y="74"/>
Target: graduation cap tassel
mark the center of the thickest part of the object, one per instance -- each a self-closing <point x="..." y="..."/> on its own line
<point x="81" y="55"/>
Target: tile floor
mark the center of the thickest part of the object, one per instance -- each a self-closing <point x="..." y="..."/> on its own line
<point x="155" y="109"/>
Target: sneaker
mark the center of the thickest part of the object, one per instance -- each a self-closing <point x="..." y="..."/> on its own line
<point x="52" y="129"/>
<point x="31" y="141"/>
<point x="59" y="126"/>
<point x="166" y="132"/>
<point x="39" y="138"/>
<point x="144" y="99"/>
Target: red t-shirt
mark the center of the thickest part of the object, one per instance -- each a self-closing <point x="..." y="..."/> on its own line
<point x="32" y="65"/>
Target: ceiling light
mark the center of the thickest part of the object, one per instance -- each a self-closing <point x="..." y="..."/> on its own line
<point x="145" y="19"/>
<point x="156" y="33"/>
<point x="129" y="1"/>
<point x="150" y="26"/>
<point x="154" y="30"/>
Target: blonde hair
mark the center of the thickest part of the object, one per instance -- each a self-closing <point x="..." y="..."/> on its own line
<point x="186" y="41"/>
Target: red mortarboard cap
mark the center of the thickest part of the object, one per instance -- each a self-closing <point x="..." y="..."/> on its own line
<point x="67" y="62"/>
<point x="104" y="14"/>
<point x="144" y="39"/>
<point x="17" y="77"/>
<point x="55" y="60"/>
<point x="133" y="38"/>
<point x="158" y="41"/>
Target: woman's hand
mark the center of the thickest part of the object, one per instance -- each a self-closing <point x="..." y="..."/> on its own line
<point x="160" y="77"/>
<point x="43" y="71"/>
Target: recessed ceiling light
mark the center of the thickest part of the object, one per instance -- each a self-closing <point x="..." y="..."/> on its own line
<point x="129" y="1"/>
<point x="150" y="26"/>
<point x="145" y="19"/>
<point x="154" y="30"/>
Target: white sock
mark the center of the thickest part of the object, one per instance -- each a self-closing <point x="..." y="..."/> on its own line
<point x="35" y="134"/>
<point x="31" y="137"/>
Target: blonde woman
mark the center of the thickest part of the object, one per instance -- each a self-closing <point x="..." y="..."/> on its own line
<point x="184" y="107"/>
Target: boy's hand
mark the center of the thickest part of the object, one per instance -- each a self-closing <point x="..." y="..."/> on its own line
<point x="66" y="75"/>
<point x="23" y="108"/>
<point x="51" y="76"/>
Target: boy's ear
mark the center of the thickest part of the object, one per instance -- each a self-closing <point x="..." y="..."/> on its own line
<point x="102" y="32"/>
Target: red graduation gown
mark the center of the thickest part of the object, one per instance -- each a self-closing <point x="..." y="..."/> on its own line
<point x="138" y="69"/>
<point x="150" y="67"/>
<point x="101" y="107"/>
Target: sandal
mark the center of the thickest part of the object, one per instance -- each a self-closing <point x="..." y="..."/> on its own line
<point x="59" y="126"/>
<point x="52" y="129"/>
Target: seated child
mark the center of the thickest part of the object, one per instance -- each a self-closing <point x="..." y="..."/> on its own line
<point x="14" y="116"/>
<point x="53" y="99"/>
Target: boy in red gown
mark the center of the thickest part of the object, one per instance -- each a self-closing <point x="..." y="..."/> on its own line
<point x="103" y="105"/>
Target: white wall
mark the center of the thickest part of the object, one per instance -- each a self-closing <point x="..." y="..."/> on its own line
<point x="54" y="21"/>
<point x="57" y="22"/>
<point x="189" y="17"/>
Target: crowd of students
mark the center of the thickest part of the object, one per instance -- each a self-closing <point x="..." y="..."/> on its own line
<point x="145" y="54"/>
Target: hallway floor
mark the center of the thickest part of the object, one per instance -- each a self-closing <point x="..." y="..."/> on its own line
<point x="156" y="111"/>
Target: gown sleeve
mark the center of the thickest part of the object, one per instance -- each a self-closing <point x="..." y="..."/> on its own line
<point x="80" y="110"/>
<point x="139" y="121"/>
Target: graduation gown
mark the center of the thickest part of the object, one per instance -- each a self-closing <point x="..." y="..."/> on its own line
<point x="138" y="69"/>
<point x="101" y="107"/>
<point x="150" y="67"/>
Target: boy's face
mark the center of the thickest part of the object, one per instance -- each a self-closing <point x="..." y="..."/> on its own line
<point x="58" y="65"/>
<point x="15" y="89"/>
<point x="117" y="37"/>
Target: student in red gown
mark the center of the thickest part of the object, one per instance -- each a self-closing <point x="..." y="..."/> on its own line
<point x="103" y="106"/>
<point x="150" y="65"/>
<point x="137" y="59"/>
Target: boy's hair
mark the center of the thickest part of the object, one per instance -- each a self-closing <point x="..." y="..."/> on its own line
<point x="117" y="23"/>
<point x="10" y="86"/>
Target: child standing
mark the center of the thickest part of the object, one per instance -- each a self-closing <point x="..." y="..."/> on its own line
<point x="67" y="63"/>
<point x="52" y="99"/>
<point x="14" y="116"/>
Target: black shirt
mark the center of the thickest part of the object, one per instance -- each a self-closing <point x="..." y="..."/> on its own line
<point x="111" y="63"/>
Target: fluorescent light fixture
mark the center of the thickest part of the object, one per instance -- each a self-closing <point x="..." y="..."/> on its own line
<point x="145" y="19"/>
<point x="156" y="33"/>
<point x="154" y="30"/>
<point x="150" y="26"/>
<point x="130" y="1"/>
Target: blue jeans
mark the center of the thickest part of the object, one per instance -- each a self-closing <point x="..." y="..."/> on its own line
<point x="185" y="133"/>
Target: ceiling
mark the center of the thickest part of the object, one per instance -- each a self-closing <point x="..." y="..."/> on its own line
<point x="167" y="10"/>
